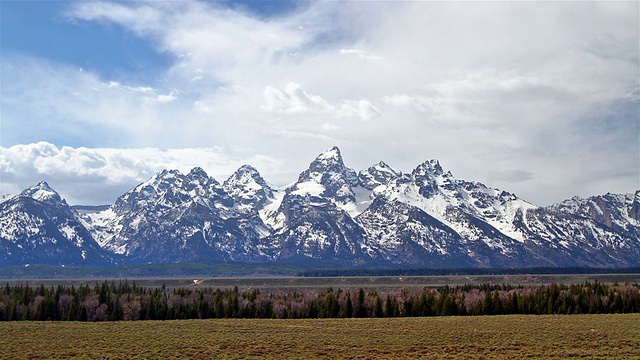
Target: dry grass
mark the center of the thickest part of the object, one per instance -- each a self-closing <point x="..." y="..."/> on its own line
<point x="580" y="336"/>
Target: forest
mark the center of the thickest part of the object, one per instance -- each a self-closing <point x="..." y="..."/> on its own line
<point x="111" y="301"/>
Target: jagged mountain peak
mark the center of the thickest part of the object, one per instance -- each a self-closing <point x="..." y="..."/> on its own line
<point x="167" y="174"/>
<point x="378" y="174"/>
<point x="330" y="161"/>
<point x="169" y="189"/>
<point x="247" y="186"/>
<point x="44" y="193"/>
<point x="244" y="172"/>
<point x="327" y="177"/>
<point x="333" y="153"/>
<point x="198" y="181"/>
<point x="429" y="168"/>
<point x="166" y="179"/>
<point x="383" y="167"/>
<point x="197" y="172"/>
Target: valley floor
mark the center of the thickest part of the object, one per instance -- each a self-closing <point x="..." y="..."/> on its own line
<point x="344" y="282"/>
<point x="489" y="337"/>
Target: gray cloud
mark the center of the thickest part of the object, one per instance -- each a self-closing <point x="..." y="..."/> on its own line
<point x="511" y="175"/>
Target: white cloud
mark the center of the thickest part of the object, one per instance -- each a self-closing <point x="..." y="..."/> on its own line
<point x="363" y="109"/>
<point x="295" y="100"/>
<point x="362" y="54"/>
<point x="163" y="99"/>
<point x="301" y="135"/>
<point x="139" y="89"/>
<point x="399" y="100"/>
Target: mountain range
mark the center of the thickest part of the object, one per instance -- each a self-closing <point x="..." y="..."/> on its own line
<point x="374" y="218"/>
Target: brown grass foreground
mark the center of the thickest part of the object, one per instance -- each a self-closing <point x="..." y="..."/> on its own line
<point x="489" y="337"/>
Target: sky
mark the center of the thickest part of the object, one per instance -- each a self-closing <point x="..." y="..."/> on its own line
<point x="541" y="99"/>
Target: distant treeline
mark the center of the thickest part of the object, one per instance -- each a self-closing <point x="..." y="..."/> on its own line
<point x="108" y="301"/>
<point x="468" y="271"/>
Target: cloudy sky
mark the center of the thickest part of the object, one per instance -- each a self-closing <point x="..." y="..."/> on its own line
<point x="538" y="98"/>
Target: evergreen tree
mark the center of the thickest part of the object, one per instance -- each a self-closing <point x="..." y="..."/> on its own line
<point x="377" y="310"/>
<point x="348" y="306"/>
<point x="360" y="311"/>
<point x="388" y="307"/>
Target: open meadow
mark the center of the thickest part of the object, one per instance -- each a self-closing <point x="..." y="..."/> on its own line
<point x="471" y="337"/>
<point x="366" y="282"/>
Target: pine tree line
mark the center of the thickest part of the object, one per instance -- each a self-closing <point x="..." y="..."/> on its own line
<point x="110" y="301"/>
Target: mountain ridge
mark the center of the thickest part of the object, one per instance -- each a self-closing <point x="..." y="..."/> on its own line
<point x="378" y="217"/>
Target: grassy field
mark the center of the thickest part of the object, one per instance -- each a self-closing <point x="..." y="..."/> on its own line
<point x="489" y="337"/>
<point x="366" y="282"/>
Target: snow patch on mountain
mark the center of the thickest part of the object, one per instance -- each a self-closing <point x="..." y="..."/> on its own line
<point x="269" y="213"/>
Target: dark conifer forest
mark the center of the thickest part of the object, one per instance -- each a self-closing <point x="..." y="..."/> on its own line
<point x="111" y="301"/>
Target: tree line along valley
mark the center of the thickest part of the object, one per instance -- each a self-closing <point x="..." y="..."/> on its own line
<point x="114" y="301"/>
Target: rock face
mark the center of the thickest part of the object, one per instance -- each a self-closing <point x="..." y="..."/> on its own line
<point x="377" y="217"/>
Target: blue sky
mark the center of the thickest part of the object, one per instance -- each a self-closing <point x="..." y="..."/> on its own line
<point x="41" y="29"/>
<point x="537" y="98"/>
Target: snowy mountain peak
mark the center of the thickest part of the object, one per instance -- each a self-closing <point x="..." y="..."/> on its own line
<point x="378" y="174"/>
<point x="169" y="189"/>
<point x="245" y="171"/>
<point x="328" y="161"/>
<point x="157" y="182"/>
<point x="327" y="176"/>
<point x="248" y="187"/>
<point x="429" y="168"/>
<point x="44" y="193"/>
<point x="332" y="153"/>
<point x="167" y="174"/>
<point x="197" y="172"/>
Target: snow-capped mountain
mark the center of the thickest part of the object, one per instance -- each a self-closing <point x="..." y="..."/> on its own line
<point x="37" y="226"/>
<point x="178" y="218"/>
<point x="375" y="217"/>
<point x="476" y="221"/>
<point x="493" y="228"/>
<point x="315" y="218"/>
